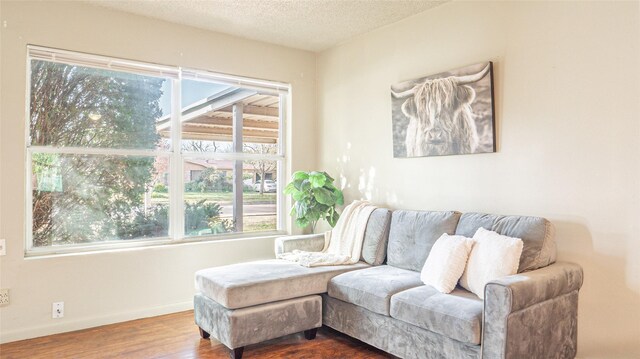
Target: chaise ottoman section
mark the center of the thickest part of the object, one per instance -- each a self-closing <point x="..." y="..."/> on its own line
<point x="236" y="328"/>
<point x="247" y="284"/>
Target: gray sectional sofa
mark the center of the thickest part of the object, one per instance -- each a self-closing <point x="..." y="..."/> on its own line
<point x="383" y="302"/>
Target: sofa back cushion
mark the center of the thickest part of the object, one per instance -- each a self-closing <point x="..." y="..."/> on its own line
<point x="537" y="235"/>
<point x="376" y="236"/>
<point x="413" y="233"/>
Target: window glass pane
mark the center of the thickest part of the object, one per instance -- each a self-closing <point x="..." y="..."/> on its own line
<point x="208" y="117"/>
<point x="209" y="196"/>
<point x="260" y="196"/>
<point x="95" y="198"/>
<point x="261" y="123"/>
<point x="78" y="106"/>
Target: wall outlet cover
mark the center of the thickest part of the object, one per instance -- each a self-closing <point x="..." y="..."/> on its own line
<point x="4" y="296"/>
<point x="57" y="310"/>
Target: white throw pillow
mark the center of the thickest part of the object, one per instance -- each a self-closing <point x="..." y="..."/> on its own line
<point x="493" y="256"/>
<point x="446" y="262"/>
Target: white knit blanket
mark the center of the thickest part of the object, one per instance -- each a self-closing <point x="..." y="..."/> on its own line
<point x="343" y="244"/>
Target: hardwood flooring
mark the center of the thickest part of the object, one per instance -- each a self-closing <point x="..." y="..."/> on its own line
<point x="176" y="336"/>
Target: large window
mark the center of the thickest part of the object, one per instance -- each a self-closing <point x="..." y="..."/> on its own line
<point x="124" y="153"/>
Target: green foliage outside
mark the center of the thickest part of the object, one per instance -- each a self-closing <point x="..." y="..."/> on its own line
<point x="151" y="223"/>
<point x="315" y="198"/>
<point x="202" y="215"/>
<point x="89" y="198"/>
<point x="201" y="218"/>
<point x="160" y="188"/>
<point x="100" y="195"/>
<point x="210" y="180"/>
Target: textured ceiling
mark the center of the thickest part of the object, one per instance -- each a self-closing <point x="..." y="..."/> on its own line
<point x="313" y="25"/>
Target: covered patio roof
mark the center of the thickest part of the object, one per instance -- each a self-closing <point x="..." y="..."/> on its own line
<point x="211" y="119"/>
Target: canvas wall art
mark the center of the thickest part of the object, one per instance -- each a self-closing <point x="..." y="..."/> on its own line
<point x="450" y="113"/>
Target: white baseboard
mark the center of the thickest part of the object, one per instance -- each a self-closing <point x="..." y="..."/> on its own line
<point x="63" y="327"/>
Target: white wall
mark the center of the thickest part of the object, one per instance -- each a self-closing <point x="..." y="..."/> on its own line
<point x="110" y="287"/>
<point x="567" y="80"/>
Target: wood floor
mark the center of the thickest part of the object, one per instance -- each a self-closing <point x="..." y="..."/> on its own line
<point x="176" y="336"/>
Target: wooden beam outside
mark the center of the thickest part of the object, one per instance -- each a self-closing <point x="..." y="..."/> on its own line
<point x="196" y="136"/>
<point x="228" y="122"/>
<point x="270" y="114"/>
<point x="210" y="106"/>
<point x="226" y="138"/>
<point x="223" y="130"/>
<point x="262" y="111"/>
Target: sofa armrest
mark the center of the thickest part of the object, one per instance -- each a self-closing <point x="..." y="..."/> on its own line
<point x="532" y="314"/>
<point x="528" y="288"/>
<point x="308" y="242"/>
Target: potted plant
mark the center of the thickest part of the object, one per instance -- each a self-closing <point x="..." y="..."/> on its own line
<point x="315" y="197"/>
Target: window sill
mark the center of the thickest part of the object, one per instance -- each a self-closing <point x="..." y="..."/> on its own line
<point x="136" y="245"/>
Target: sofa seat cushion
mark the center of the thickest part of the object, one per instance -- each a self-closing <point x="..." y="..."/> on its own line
<point x="457" y="315"/>
<point x="245" y="284"/>
<point x="373" y="287"/>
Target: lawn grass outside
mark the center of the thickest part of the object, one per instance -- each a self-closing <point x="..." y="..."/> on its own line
<point x="252" y="223"/>
<point x="259" y="223"/>
<point x="219" y="197"/>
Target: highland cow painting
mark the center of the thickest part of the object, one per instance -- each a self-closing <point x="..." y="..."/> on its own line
<point x="450" y="113"/>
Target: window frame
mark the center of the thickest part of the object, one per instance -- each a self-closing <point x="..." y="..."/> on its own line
<point x="176" y="156"/>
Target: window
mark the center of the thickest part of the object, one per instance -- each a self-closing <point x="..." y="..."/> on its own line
<point x="195" y="175"/>
<point x="126" y="153"/>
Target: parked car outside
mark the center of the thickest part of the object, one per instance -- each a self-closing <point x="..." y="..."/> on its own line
<point x="269" y="186"/>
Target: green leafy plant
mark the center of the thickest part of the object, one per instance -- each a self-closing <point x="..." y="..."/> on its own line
<point x="204" y="215"/>
<point x="315" y="198"/>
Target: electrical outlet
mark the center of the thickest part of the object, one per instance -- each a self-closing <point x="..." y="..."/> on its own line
<point x="57" y="310"/>
<point x="3" y="247"/>
<point x="4" y="296"/>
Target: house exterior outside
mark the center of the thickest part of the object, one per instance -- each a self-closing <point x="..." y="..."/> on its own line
<point x="193" y="169"/>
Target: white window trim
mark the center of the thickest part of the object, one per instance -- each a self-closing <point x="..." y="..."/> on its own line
<point x="174" y="74"/>
<point x="176" y="209"/>
<point x="100" y="62"/>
